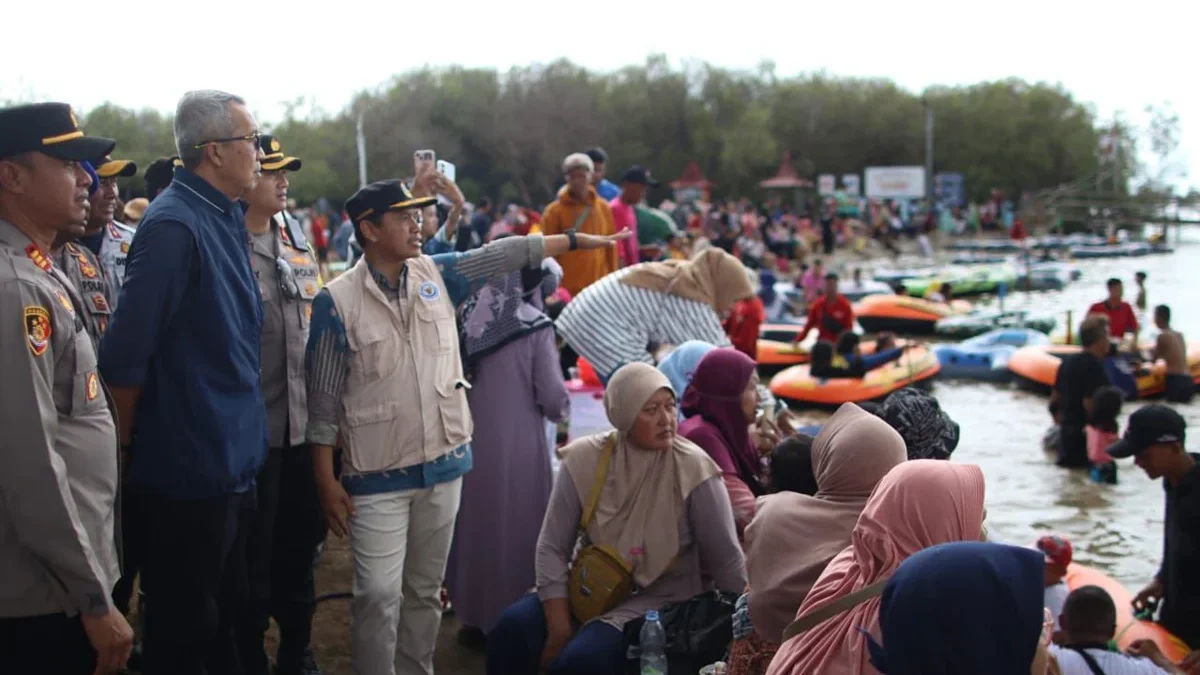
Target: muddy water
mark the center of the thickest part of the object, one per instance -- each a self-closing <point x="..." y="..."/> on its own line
<point x="1115" y="528"/>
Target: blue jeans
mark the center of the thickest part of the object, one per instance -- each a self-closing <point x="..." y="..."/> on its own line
<point x="514" y="646"/>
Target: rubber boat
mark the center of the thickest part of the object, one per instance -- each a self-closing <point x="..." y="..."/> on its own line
<point x="895" y="276"/>
<point x="775" y="355"/>
<point x="1038" y="366"/>
<point x="904" y="314"/>
<point x="1130" y="629"/>
<point x="1046" y="276"/>
<point x="1128" y="250"/>
<point x="782" y="331"/>
<point x="855" y="292"/>
<point x="965" y="282"/>
<point x="981" y="321"/>
<point x="796" y="384"/>
<point x="985" y="357"/>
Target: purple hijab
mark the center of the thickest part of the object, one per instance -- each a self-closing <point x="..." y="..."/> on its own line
<point x="715" y="397"/>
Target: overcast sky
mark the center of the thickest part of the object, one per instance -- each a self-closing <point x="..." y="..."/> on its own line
<point x="145" y="53"/>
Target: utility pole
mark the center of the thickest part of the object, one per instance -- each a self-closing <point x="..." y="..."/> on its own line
<point x="362" y="150"/>
<point x="928" y="151"/>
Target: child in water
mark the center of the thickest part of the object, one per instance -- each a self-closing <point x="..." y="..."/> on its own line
<point x="1102" y="431"/>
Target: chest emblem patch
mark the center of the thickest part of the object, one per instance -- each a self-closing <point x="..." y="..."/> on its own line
<point x="428" y="291"/>
<point x="93" y="386"/>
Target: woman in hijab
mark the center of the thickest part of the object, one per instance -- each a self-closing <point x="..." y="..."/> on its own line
<point x="612" y="322"/>
<point x="658" y="484"/>
<point x="508" y="344"/>
<point x="919" y="504"/>
<point x="793" y="536"/>
<point x="680" y="365"/>
<point x="965" y="609"/>
<point x="719" y="407"/>
<point x="928" y="431"/>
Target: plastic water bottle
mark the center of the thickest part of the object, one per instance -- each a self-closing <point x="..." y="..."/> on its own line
<point x="654" y="642"/>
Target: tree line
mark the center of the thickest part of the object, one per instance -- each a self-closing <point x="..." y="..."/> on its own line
<point x="507" y="132"/>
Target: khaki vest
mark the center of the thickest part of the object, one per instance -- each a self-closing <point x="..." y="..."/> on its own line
<point x="405" y="400"/>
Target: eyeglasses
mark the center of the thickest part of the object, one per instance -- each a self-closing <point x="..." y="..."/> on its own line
<point x="287" y="279"/>
<point x="251" y="137"/>
<point x="1047" y="627"/>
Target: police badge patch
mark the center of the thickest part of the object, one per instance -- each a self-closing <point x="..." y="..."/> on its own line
<point x="37" y="329"/>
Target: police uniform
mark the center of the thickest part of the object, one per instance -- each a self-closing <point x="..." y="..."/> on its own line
<point x="116" y="237"/>
<point x="58" y="464"/>
<point x="94" y="297"/>
<point x="288" y="521"/>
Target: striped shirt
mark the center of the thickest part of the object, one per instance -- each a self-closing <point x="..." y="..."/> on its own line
<point x="1112" y="663"/>
<point x="610" y="323"/>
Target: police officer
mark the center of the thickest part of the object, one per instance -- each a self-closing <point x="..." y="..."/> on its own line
<point x="58" y="464"/>
<point x="115" y="237"/>
<point x="82" y="268"/>
<point x="288" y="522"/>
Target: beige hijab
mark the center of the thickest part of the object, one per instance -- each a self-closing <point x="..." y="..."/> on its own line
<point x="793" y="536"/>
<point x="643" y="498"/>
<point x="713" y="277"/>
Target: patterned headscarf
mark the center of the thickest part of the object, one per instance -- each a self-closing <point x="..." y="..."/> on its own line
<point x="928" y="431"/>
<point x="507" y="308"/>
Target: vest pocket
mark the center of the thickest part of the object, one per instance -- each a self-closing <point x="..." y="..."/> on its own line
<point x="369" y="431"/>
<point x="436" y="325"/>
<point x="456" y="416"/>
<point x="374" y="348"/>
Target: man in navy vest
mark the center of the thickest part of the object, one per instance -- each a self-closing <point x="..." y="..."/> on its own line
<point x="182" y="359"/>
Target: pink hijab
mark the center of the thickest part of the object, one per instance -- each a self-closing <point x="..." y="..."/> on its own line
<point x="920" y="503"/>
<point x="793" y="536"/>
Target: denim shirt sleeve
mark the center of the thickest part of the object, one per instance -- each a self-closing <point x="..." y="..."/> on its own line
<point x="157" y="272"/>
<point x="438" y="244"/>
<point x="326" y="364"/>
<point x="465" y="273"/>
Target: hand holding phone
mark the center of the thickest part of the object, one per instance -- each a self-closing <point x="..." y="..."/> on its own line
<point x="423" y="160"/>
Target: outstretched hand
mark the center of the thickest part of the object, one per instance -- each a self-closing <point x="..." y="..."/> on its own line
<point x="587" y="242"/>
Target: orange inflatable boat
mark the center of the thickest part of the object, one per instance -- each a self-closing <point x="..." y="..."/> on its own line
<point x="1038" y="365"/>
<point x="796" y="384"/>
<point x="774" y="356"/>
<point x="780" y="332"/>
<point x="1129" y="628"/>
<point x="904" y="314"/>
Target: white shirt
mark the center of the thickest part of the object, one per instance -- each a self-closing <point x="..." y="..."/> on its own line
<point x="1054" y="599"/>
<point x="1112" y="663"/>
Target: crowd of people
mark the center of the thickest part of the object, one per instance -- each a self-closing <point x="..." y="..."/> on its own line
<point x="191" y="406"/>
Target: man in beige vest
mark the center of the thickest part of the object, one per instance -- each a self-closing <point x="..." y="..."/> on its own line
<point x="384" y="375"/>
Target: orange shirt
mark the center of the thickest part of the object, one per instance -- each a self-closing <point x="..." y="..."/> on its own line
<point x="581" y="268"/>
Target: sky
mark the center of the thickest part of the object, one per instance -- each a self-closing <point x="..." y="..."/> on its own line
<point x="271" y="51"/>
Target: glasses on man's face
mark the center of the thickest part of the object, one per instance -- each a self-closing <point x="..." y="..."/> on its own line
<point x="287" y="279"/>
<point x="251" y="138"/>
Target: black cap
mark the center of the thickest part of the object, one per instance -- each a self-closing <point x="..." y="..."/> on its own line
<point x="1149" y="426"/>
<point x="51" y="129"/>
<point x="275" y="160"/>
<point x="640" y="175"/>
<point x="384" y="195"/>
<point x="107" y="167"/>
<point x="159" y="174"/>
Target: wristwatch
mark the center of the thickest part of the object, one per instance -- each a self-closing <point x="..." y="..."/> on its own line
<point x="572" y="242"/>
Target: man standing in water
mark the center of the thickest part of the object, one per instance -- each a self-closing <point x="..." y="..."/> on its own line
<point x="1121" y="319"/>
<point x="1078" y="378"/>
<point x="1172" y="349"/>
<point x="1154" y="438"/>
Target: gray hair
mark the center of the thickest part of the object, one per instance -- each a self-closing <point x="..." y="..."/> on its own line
<point x="201" y="116"/>
<point x="578" y="160"/>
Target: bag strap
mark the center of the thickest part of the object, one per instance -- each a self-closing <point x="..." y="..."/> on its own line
<point x="583" y="216"/>
<point x="593" y="499"/>
<point x="1088" y="659"/>
<point x="825" y="612"/>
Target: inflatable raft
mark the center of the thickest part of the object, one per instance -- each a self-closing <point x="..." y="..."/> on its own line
<point x="1129" y="628"/>
<point x="775" y="355"/>
<point x="985" y="357"/>
<point x="904" y="314"/>
<point x="796" y="384"/>
<point x="781" y="331"/>
<point x="981" y="321"/>
<point x="976" y="282"/>
<point x="1038" y="366"/>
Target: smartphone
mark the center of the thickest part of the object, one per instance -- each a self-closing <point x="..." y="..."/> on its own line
<point x="423" y="158"/>
<point x="446" y="169"/>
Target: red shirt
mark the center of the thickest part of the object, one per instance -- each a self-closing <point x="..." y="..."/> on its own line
<point x="1121" y="319"/>
<point x="744" y="323"/>
<point x="829" y="318"/>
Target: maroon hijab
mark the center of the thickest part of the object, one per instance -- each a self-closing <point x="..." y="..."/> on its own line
<point x="715" y="395"/>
